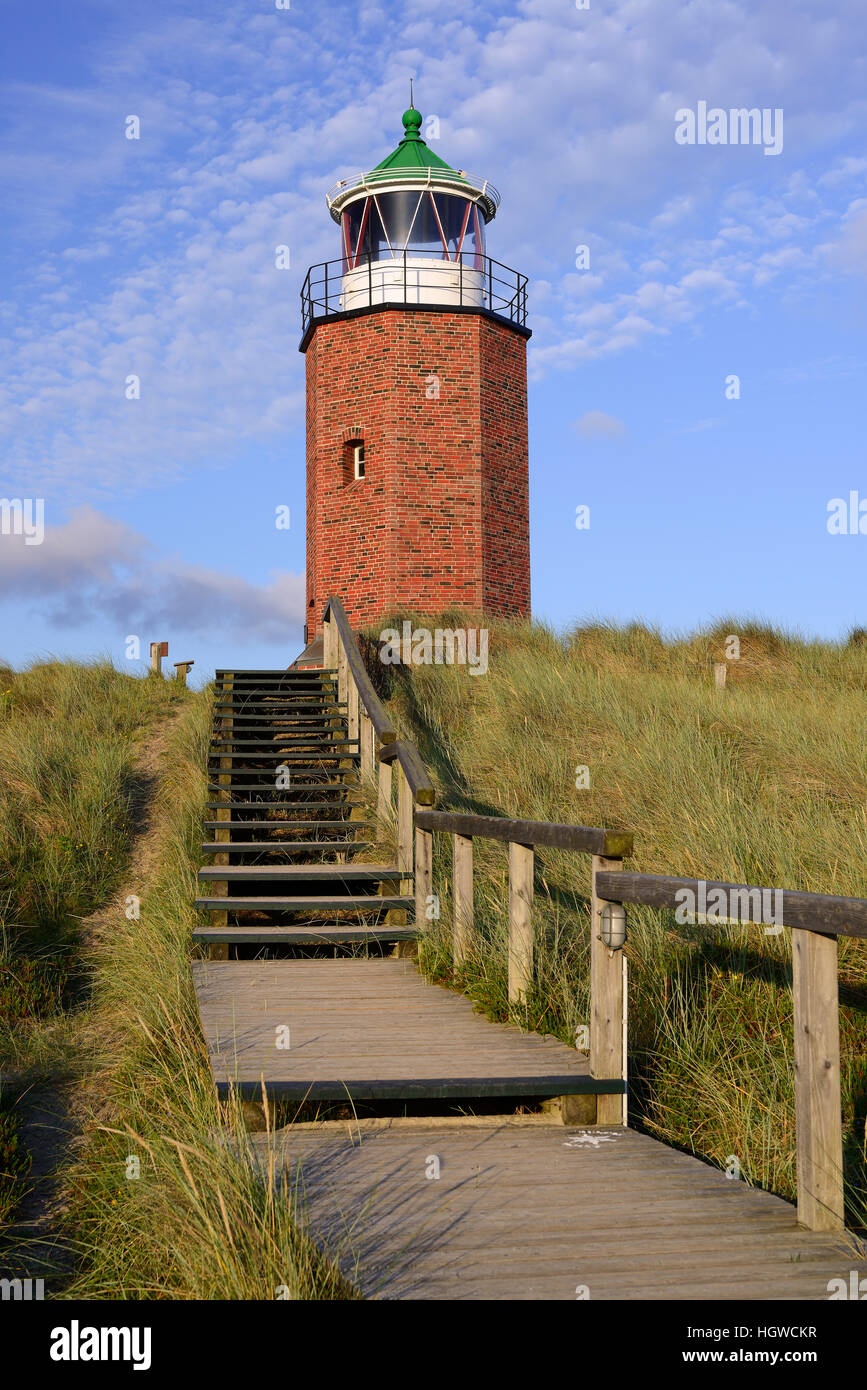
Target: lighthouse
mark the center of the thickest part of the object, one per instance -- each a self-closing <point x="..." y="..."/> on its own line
<point x="415" y="342"/>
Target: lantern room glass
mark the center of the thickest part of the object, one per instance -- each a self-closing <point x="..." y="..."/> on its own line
<point x="412" y="222"/>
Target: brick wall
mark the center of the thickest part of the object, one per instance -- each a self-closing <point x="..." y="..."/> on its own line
<point x="442" y="516"/>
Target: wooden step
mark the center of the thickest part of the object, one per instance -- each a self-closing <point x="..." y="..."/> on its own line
<point x="296" y="787"/>
<point x="300" y="935"/>
<point x="282" y="741"/>
<point x="273" y="671"/>
<point x="276" y="706"/>
<point x="299" y="723"/>
<point x="287" y="687"/>
<point x="278" y="824"/>
<point x="238" y="757"/>
<point x="368" y="903"/>
<point x="304" y="873"/>
<point x="280" y="846"/>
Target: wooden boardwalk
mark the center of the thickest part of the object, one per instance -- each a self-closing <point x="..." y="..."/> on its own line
<point x="305" y="991"/>
<point x="367" y="1029"/>
<point x="542" y="1211"/>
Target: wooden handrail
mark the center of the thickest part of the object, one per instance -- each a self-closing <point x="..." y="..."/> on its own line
<point x="817" y="912"/>
<point x="613" y="844"/>
<point x="816" y="920"/>
<point x="376" y="712"/>
<point x="417" y="775"/>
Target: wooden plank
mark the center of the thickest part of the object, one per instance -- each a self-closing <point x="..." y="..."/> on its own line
<point x="521" y="864"/>
<point x="371" y="902"/>
<point x="310" y="935"/>
<point x="282" y="707"/>
<point x="818" y="1122"/>
<point x="304" y="873"/>
<point x="606" y="1001"/>
<point x="370" y="1028"/>
<point x="331" y="824"/>
<point x="817" y="912"/>
<point x="463" y="922"/>
<point x="287" y="846"/>
<point x="533" y="1213"/>
<point x="616" y="843"/>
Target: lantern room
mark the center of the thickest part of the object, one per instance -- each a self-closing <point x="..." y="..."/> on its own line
<point x="413" y="229"/>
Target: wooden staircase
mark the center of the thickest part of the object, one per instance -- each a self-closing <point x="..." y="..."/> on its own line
<point x="289" y="833"/>
<point x="555" y="1201"/>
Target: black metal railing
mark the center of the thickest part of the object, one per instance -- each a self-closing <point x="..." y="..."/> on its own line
<point x="414" y="277"/>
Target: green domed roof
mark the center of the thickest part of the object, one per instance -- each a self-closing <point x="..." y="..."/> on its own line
<point x="413" y="164"/>
<point x="412" y="152"/>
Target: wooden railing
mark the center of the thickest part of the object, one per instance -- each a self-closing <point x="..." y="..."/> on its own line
<point x="380" y="746"/>
<point x="381" y="749"/>
<point x="815" y="919"/>
<point x="608" y="982"/>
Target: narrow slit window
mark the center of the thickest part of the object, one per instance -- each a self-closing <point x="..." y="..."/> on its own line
<point x="358" y="461"/>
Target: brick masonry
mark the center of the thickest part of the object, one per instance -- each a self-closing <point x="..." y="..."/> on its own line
<point x="441" y="517"/>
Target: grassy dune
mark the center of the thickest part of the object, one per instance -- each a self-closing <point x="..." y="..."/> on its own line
<point x="765" y="783"/>
<point x="68" y="795"/>
<point x="102" y="797"/>
<point x="166" y="1199"/>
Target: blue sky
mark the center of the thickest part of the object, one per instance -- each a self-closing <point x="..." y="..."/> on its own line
<point x="155" y="257"/>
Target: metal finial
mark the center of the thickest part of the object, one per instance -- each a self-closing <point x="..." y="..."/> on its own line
<point x="411" y="102"/>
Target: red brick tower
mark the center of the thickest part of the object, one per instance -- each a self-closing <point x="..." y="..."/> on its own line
<point x="415" y="343"/>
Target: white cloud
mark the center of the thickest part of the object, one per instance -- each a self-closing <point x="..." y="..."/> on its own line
<point x="93" y="567"/>
<point x="597" y="425"/>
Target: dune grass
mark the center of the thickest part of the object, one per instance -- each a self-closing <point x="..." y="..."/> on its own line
<point x="168" y="1199"/>
<point x="68" y="791"/>
<point x="763" y="783"/>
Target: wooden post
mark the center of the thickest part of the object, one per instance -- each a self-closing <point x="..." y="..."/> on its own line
<point x="219" y="950"/>
<point x="818" y="1124"/>
<point x="158" y="651"/>
<point x="404" y="830"/>
<point x="354" y="713"/>
<point x="462" y="897"/>
<point x="368" y="748"/>
<point x="329" y="644"/>
<point x="181" y="670"/>
<point x="606" y="1004"/>
<point x="423" y="873"/>
<point x="521" y="861"/>
<point x="342" y="670"/>
<point x="384" y="806"/>
<point x="719" y="675"/>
